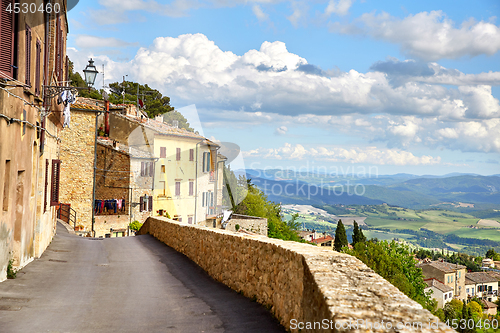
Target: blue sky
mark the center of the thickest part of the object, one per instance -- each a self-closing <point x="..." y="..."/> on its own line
<point x="405" y="86"/>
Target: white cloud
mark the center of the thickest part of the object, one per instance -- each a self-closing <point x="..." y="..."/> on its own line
<point x="282" y="130"/>
<point x="339" y="7"/>
<point x="191" y="69"/>
<point x="298" y="14"/>
<point x="370" y="155"/>
<point x="261" y="16"/>
<point x="427" y="35"/>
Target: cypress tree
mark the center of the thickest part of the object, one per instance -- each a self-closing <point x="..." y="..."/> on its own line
<point x="357" y="235"/>
<point x="340" y="236"/>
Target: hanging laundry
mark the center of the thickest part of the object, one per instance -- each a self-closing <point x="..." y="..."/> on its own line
<point x="67" y="98"/>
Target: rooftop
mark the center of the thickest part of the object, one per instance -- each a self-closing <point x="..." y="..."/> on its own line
<point x="443" y="266"/>
<point x="322" y="239"/>
<point x="82" y="106"/>
<point x="438" y="285"/>
<point x="480" y="277"/>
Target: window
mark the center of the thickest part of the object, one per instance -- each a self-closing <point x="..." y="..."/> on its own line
<point x="147" y="169"/>
<point x="6" y="186"/>
<point x="446" y="296"/>
<point x="191" y="188"/>
<point x="177" y="188"/>
<point x="178" y="155"/>
<point x="459" y="274"/>
<point x="54" y="182"/>
<point x="467" y="290"/>
<point x="28" y="55"/>
<point x="24" y="124"/>
<point x="163" y="152"/>
<point x="448" y="279"/>
<point x="191" y="154"/>
<point x="163" y="168"/>
<point x="46" y="185"/>
<point x="452" y="278"/>
<point x="38" y="68"/>
<point x="7" y="34"/>
<point x="206" y="162"/>
<point x="146" y="203"/>
<point x="59" y="49"/>
<point x="162" y="189"/>
<point x="190" y="219"/>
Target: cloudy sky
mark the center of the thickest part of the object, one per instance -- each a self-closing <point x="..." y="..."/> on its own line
<point x="404" y="86"/>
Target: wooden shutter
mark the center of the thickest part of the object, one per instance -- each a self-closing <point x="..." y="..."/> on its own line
<point x="203" y="165"/>
<point x="6" y="38"/>
<point x="28" y="56"/>
<point x="54" y="186"/>
<point x="177" y="188"/>
<point x="142" y="169"/>
<point x="163" y="152"/>
<point x="191" y="154"/>
<point x="151" y="169"/>
<point x="178" y="157"/>
<point x="58" y="48"/>
<point x="150" y="203"/>
<point x="46" y="185"/>
<point x="141" y="204"/>
<point x="191" y="188"/>
<point x="38" y="68"/>
<point x="207" y="167"/>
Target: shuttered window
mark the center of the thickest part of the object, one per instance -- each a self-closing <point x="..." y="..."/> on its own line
<point x="178" y="155"/>
<point x="6" y="38"/>
<point x="151" y="169"/>
<point x="38" y="67"/>
<point x="150" y="203"/>
<point x="177" y="188"/>
<point x="54" y="184"/>
<point x="59" y="48"/>
<point x="28" y="55"/>
<point x="45" y="194"/>
<point x="141" y="204"/>
<point x="191" y="154"/>
<point x="191" y="188"/>
<point x="163" y="152"/>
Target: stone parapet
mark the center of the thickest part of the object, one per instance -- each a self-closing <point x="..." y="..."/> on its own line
<point x="301" y="284"/>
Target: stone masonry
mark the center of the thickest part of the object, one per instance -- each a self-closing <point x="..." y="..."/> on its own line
<point x="297" y="282"/>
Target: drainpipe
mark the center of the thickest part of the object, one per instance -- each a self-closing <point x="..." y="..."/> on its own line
<point x="196" y="182"/>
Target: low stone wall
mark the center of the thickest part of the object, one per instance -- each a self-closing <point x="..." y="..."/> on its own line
<point x="307" y="288"/>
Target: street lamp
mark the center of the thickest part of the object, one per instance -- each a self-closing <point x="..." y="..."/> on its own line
<point x="90" y="73"/>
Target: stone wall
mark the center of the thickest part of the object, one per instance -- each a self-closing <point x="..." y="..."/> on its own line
<point x="254" y="224"/>
<point x="77" y="156"/>
<point x="299" y="283"/>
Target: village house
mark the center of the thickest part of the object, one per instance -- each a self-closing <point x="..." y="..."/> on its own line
<point x="440" y="292"/>
<point x="489" y="308"/>
<point x="33" y="66"/>
<point x="325" y="241"/>
<point x="482" y="285"/>
<point x="451" y="275"/>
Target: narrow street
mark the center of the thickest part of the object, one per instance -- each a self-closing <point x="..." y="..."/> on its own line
<point x="131" y="284"/>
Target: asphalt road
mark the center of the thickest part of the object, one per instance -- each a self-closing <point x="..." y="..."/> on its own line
<point x="130" y="284"/>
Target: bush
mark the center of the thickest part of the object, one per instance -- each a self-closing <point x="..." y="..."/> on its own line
<point x="136" y="225"/>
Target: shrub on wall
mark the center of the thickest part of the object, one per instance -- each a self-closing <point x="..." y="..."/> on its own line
<point x="136" y="225"/>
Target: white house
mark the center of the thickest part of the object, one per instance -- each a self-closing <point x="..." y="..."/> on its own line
<point x="440" y="292"/>
<point x="482" y="285"/>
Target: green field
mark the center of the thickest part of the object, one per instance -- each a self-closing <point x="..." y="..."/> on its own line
<point x="491" y="234"/>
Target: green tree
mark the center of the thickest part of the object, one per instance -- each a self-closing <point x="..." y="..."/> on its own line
<point x="396" y="264"/>
<point x="453" y="309"/>
<point x="154" y="102"/>
<point x="491" y="253"/>
<point x="357" y="234"/>
<point x="340" y="236"/>
<point x="77" y="81"/>
<point x="256" y="204"/>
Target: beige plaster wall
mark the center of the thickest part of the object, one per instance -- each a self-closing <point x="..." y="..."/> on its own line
<point x="295" y="281"/>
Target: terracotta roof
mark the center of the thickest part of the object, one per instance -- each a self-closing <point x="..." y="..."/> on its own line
<point x="438" y="285"/>
<point x="495" y="275"/>
<point x="480" y="277"/>
<point x="162" y="128"/>
<point x="445" y="267"/>
<point x="322" y="240"/>
<point x="81" y="106"/>
<point x="468" y="281"/>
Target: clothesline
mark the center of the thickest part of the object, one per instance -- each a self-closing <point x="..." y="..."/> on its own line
<point x="104" y="206"/>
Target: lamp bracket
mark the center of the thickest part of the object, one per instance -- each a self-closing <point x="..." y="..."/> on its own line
<point x="53" y="91"/>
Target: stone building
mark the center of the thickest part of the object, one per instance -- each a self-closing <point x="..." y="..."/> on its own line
<point x="122" y="184"/>
<point x="33" y="57"/>
<point x="451" y="275"/>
